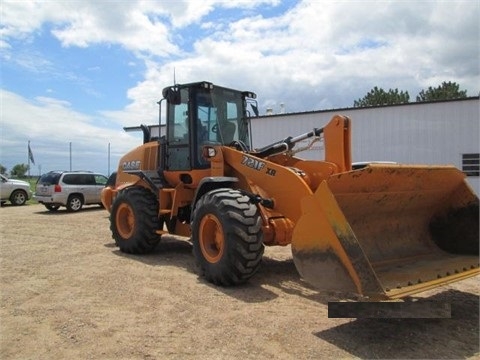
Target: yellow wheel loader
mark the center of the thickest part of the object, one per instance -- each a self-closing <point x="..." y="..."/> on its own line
<point x="385" y="231"/>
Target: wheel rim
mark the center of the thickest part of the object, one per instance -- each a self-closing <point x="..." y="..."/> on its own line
<point x="125" y="220"/>
<point x="76" y="204"/>
<point x="19" y="198"/>
<point x="212" y="240"/>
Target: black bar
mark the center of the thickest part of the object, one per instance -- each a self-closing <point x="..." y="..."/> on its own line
<point x="471" y="156"/>
<point x="390" y="310"/>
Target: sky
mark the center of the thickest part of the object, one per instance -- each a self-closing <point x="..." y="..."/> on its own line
<point x="74" y="73"/>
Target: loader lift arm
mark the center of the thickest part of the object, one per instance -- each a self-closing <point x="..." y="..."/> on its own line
<point x="285" y="144"/>
<point x="336" y="137"/>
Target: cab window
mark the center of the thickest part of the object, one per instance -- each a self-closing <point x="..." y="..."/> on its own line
<point x="178" y="129"/>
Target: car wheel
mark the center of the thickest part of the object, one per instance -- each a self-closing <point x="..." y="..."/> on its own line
<point x="51" y="207"/>
<point x="74" y="203"/>
<point x="18" y="197"/>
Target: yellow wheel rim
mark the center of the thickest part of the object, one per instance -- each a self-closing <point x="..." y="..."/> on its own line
<point x="211" y="238"/>
<point x="125" y="221"/>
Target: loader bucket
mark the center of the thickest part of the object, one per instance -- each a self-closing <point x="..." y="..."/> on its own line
<point x="388" y="231"/>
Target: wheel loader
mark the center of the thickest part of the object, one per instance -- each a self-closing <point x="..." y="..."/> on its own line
<point x="385" y="231"/>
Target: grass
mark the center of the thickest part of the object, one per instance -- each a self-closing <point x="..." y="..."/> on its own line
<point x="33" y="182"/>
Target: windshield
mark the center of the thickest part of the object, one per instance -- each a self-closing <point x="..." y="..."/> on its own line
<point x="220" y="113"/>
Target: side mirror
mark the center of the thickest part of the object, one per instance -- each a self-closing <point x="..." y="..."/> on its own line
<point x="255" y="109"/>
<point x="172" y="95"/>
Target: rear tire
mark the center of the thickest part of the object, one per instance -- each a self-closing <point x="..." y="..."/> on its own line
<point x="51" y="207"/>
<point x="227" y="237"/>
<point x="134" y="220"/>
<point x="74" y="203"/>
<point x="18" y="197"/>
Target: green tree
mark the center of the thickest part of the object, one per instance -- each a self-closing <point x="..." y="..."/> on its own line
<point x="3" y="169"/>
<point x="446" y="91"/>
<point x="378" y="96"/>
<point x="19" y="170"/>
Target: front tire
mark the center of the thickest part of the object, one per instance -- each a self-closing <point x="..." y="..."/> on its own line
<point x="227" y="237"/>
<point x="74" y="203"/>
<point x="134" y="220"/>
<point x="18" y="197"/>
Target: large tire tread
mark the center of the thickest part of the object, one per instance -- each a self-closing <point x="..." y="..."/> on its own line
<point x="145" y="209"/>
<point x="242" y="227"/>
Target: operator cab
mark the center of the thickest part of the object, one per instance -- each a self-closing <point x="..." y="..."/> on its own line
<point x="201" y="114"/>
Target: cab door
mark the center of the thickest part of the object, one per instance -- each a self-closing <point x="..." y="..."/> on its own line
<point x="178" y="135"/>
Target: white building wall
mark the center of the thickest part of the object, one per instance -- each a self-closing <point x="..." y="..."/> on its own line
<point x="418" y="133"/>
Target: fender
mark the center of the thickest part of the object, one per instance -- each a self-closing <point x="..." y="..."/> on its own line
<point x="211" y="183"/>
<point x="109" y="193"/>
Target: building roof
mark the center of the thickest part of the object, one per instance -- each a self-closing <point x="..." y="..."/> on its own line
<point x="372" y="107"/>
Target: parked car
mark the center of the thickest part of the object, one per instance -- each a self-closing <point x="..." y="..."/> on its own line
<point x="71" y="189"/>
<point x="15" y="191"/>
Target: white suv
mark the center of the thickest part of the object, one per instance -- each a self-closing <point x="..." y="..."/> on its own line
<point x="72" y="189"/>
<point x="15" y="191"/>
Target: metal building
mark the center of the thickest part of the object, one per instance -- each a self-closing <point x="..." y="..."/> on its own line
<point x="433" y="133"/>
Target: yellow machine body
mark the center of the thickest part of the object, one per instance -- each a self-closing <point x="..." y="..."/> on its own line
<point x="385" y="231"/>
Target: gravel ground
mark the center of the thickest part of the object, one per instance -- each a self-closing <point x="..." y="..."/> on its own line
<point x="68" y="293"/>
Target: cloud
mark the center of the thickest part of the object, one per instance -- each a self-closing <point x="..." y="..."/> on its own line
<point x="51" y="125"/>
<point x="309" y="55"/>
<point x="327" y="54"/>
<point x="144" y="27"/>
<point x="315" y="45"/>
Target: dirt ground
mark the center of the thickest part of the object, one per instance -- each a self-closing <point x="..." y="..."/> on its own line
<point x="68" y="293"/>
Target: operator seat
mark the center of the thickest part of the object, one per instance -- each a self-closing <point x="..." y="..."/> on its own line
<point x="227" y="130"/>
